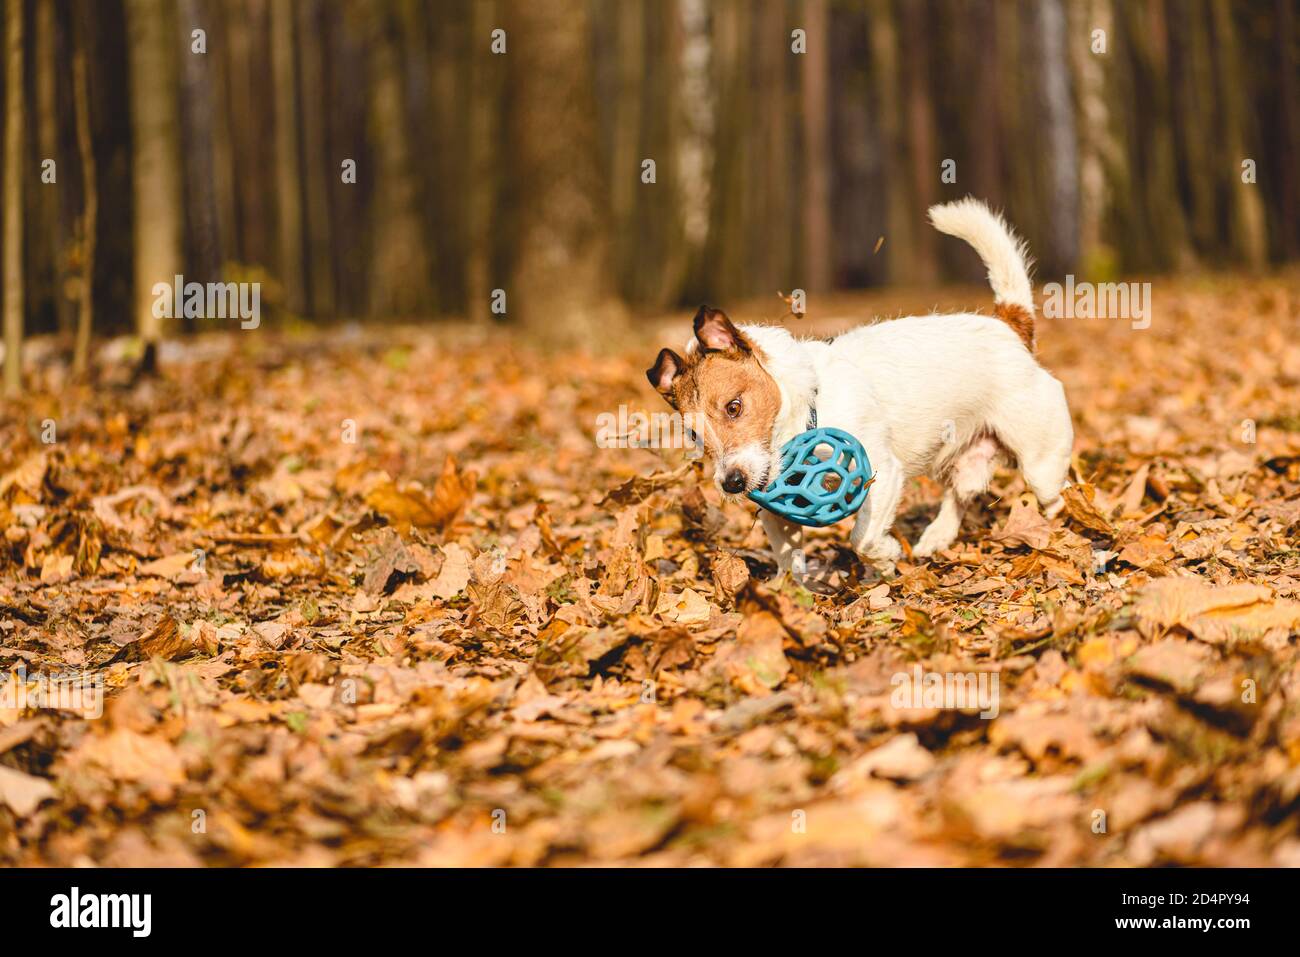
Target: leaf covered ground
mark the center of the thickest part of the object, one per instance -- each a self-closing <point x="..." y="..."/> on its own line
<point x="374" y="596"/>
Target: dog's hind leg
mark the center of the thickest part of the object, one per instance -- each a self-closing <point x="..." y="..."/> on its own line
<point x="941" y="533"/>
<point x="1039" y="432"/>
<point x="1045" y="474"/>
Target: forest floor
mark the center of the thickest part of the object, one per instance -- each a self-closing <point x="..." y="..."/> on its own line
<point x="368" y="595"/>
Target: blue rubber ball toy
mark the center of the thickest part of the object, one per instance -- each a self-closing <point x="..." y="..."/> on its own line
<point x="800" y="491"/>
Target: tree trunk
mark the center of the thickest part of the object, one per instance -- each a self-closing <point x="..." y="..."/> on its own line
<point x="560" y="286"/>
<point x="923" y="156"/>
<point x="400" y="273"/>
<point x="442" y="42"/>
<point x="1095" y="140"/>
<point x="900" y="236"/>
<point x="985" y="132"/>
<point x="50" y="255"/>
<point x="1288" y="121"/>
<point x="485" y="83"/>
<point x="858" y="211"/>
<point x="13" y="207"/>
<point x="770" y="230"/>
<point x="319" y="161"/>
<point x="816" y="206"/>
<point x="625" y="171"/>
<point x="198" y="107"/>
<point x="721" y="272"/>
<point x="1060" y="140"/>
<point x="288" y="161"/>
<point x="90" y="217"/>
<point x="1151" y="142"/>
<point x="156" y="160"/>
<point x="1246" y="223"/>
<point x="661" y="206"/>
<point x="695" y="143"/>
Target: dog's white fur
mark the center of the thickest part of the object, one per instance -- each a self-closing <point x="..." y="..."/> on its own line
<point x="939" y="394"/>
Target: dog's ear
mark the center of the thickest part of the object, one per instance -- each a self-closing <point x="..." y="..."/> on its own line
<point x="667" y="367"/>
<point x="717" y="333"/>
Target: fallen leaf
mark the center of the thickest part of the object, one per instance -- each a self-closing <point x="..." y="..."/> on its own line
<point x="454" y="574"/>
<point x="687" y="607"/>
<point x="167" y="567"/>
<point x="1080" y="506"/>
<point x="1216" y="613"/>
<point x="730" y="573"/>
<point x="756" y="662"/>
<point x="23" y="793"/>
<point x="404" y="508"/>
<point x="1025" y="526"/>
<point x="639" y="488"/>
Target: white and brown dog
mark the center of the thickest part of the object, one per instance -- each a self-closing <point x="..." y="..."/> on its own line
<point x="943" y="395"/>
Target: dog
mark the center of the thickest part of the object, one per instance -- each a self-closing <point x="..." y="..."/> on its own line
<point x="945" y="395"/>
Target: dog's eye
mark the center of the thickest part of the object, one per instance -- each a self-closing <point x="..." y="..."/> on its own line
<point x="692" y="438"/>
<point x="733" y="408"/>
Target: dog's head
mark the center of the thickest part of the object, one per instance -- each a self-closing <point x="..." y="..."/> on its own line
<point x="727" y="397"/>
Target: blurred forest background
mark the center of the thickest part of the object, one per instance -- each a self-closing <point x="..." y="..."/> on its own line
<point x="523" y="170"/>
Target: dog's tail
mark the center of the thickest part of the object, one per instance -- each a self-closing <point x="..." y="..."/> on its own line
<point x="1004" y="256"/>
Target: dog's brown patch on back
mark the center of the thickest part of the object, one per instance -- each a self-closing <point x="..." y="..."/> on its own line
<point x="1019" y="319"/>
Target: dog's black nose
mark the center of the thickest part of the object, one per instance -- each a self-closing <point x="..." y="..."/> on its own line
<point x="734" y="482"/>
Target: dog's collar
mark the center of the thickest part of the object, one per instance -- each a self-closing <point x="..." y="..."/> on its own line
<point x="812" y="411"/>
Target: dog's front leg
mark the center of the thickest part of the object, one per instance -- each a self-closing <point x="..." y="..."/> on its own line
<point x="870" y="537"/>
<point x="784" y="537"/>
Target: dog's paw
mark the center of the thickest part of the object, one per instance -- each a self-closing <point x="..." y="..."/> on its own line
<point x="931" y="542"/>
<point x="886" y="549"/>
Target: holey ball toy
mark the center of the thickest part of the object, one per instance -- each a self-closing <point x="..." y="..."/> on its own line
<point x="818" y="489"/>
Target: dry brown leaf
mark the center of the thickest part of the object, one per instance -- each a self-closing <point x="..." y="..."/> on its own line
<point x="1080" y="506"/>
<point x="404" y="508"/>
<point x="639" y="488"/>
<point x="730" y="574"/>
<point x="756" y="662"/>
<point x="454" y="574"/>
<point x="164" y="640"/>
<point x="29" y="475"/>
<point x="1216" y="614"/>
<point x="167" y="567"/>
<point x="687" y="607"/>
<point x="1025" y="526"/>
<point x="127" y="755"/>
<point x="1148" y="551"/>
<point x="1131" y="501"/>
<point x="23" y="793"/>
